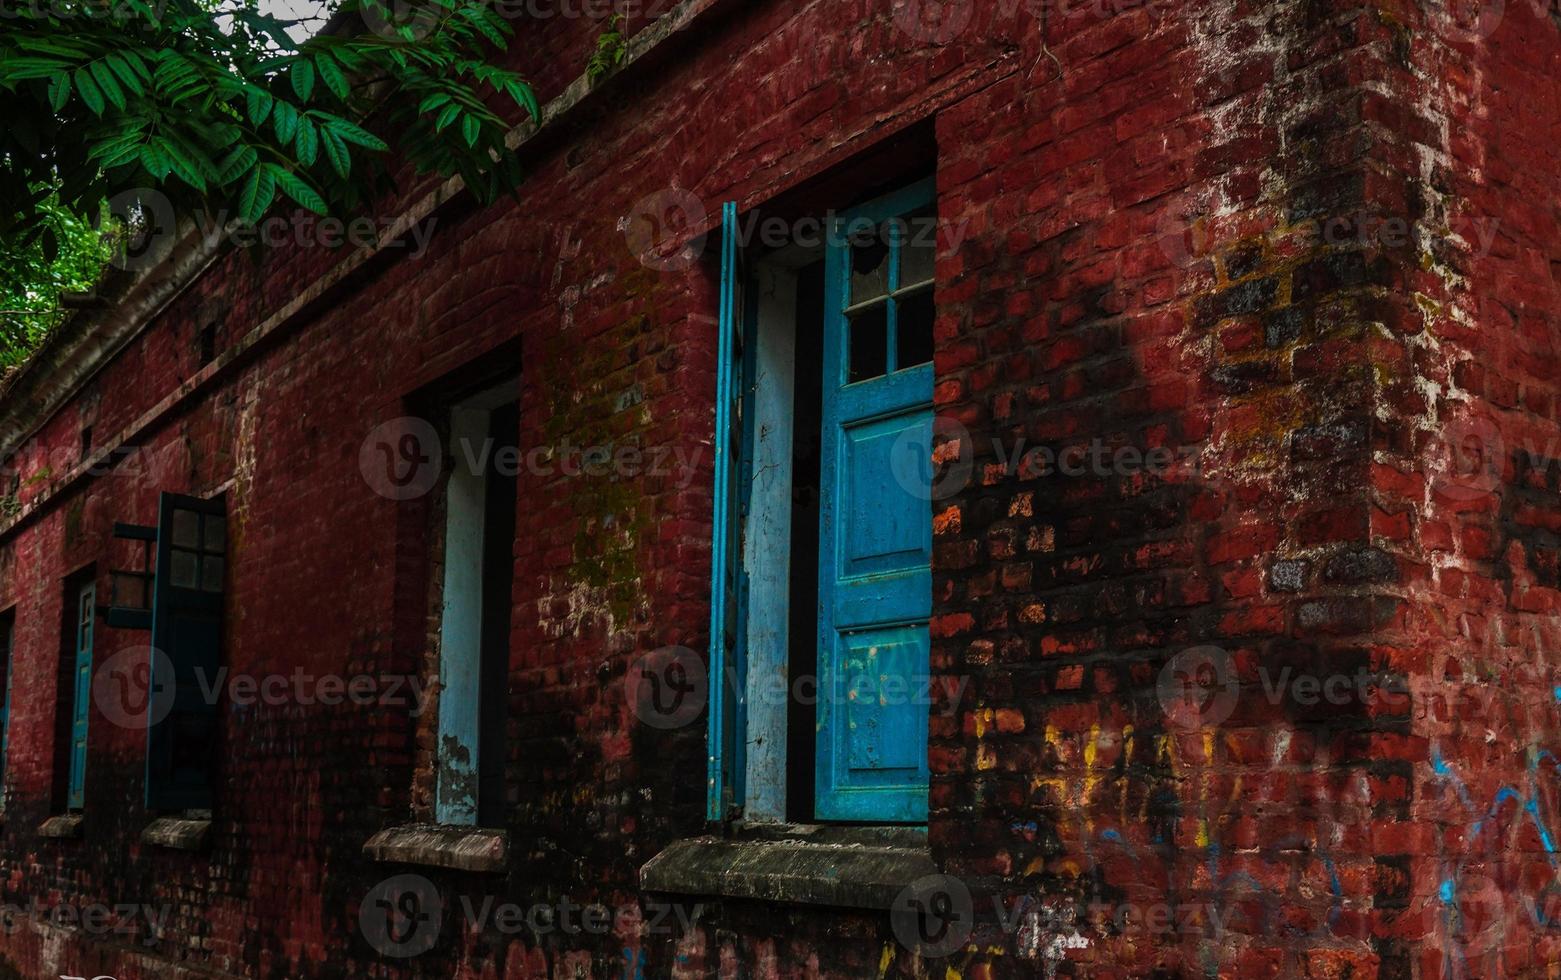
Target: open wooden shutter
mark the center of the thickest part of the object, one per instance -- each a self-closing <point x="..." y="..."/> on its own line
<point x="81" y="686"/>
<point x="726" y="763"/>
<point x="187" y="629"/>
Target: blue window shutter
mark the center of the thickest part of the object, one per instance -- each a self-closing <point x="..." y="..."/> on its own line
<point x="187" y="602"/>
<point x="726" y="763"/>
<point x="81" y="694"/>
<point x="875" y="539"/>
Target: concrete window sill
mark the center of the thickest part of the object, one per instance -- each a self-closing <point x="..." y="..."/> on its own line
<point x="843" y="867"/>
<point x="66" y="826"/>
<point x="457" y="848"/>
<point x="178" y="833"/>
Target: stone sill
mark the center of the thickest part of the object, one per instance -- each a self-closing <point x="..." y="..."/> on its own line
<point x="842" y="867"/>
<point x="178" y="833"/>
<point x="457" y="848"/>
<point x="66" y="826"/>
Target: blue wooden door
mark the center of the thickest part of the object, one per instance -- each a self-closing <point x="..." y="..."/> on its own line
<point x="86" y="610"/>
<point x="875" y="580"/>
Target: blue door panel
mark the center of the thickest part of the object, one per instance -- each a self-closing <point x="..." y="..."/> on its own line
<point x="885" y="742"/>
<point x="875" y="544"/>
<point x="884" y="531"/>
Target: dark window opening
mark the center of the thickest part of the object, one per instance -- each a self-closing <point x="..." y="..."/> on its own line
<point x="802" y="652"/>
<point x="208" y="343"/>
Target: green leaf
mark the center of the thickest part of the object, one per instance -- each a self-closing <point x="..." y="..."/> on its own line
<point x="474" y="16"/>
<point x="525" y="97"/>
<point x="155" y="161"/>
<point x="446" y="117"/>
<point x="331" y="75"/>
<point x="89" y="91"/>
<point x="127" y="74"/>
<point x="257" y="194"/>
<point x="236" y="163"/>
<point x="433" y="102"/>
<point x="120" y="157"/>
<point x="132" y="58"/>
<point x="471" y="128"/>
<point x="336" y="152"/>
<point x="285" y="119"/>
<point x="352" y="133"/>
<point x="308" y="141"/>
<point x="302" y="75"/>
<point x="181" y="163"/>
<point x="297" y="189"/>
<point x="259" y="104"/>
<point x="59" y="91"/>
<point x="21" y="69"/>
<point x="105" y="79"/>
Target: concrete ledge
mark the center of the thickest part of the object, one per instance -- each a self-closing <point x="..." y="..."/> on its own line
<point x="459" y="848"/>
<point x="843" y="867"/>
<point x="179" y="833"/>
<point x="63" y="827"/>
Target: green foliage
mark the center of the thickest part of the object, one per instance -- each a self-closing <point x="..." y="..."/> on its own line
<point x="611" y="46"/>
<point x="223" y="112"/>
<point x="32" y="278"/>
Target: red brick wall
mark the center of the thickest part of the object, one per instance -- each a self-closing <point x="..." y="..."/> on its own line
<point x="1466" y="481"/>
<point x="1140" y="201"/>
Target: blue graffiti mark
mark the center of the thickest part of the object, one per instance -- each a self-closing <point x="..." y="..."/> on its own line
<point x="633" y="959"/>
<point x="1530" y="803"/>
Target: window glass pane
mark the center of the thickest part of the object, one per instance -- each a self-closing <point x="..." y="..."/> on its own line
<point x="869" y="332"/>
<point x="919" y="247"/>
<point x="869" y="266"/>
<point x="130" y="591"/>
<point x="186" y="529"/>
<point x="216" y="533"/>
<point x="914" y="329"/>
<point x="211" y="574"/>
<point x="183" y="572"/>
